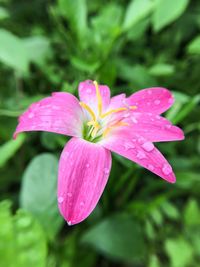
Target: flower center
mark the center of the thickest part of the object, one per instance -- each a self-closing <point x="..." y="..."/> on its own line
<point x="96" y="128"/>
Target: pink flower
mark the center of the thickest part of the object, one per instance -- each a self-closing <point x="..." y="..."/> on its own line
<point x="98" y="125"/>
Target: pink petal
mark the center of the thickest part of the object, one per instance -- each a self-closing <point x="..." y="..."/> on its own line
<point x="154" y="127"/>
<point x="87" y="94"/>
<point x="60" y="113"/>
<point x="117" y="101"/>
<point x="142" y="152"/>
<point x="83" y="173"/>
<point x="155" y="100"/>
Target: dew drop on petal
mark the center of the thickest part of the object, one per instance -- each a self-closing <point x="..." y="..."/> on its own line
<point x="148" y="146"/>
<point x="170" y="100"/>
<point x="106" y="171"/>
<point x="166" y="169"/>
<point x="128" y="146"/>
<point x="69" y="194"/>
<point x="69" y="223"/>
<point x="141" y="155"/>
<point x="82" y="203"/>
<point x="168" y="126"/>
<point x="60" y="200"/>
<point x="150" y="167"/>
<point x="87" y="165"/>
<point x="31" y="115"/>
<point x="141" y="140"/>
<point x="149" y="92"/>
<point x="157" y="102"/>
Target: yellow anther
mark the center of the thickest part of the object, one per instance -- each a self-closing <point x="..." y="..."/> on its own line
<point x="133" y="107"/>
<point x="118" y="124"/>
<point x="112" y="111"/>
<point x="85" y="106"/>
<point x="99" y="99"/>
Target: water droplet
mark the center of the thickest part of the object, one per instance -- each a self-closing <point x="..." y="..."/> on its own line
<point x="128" y="146"/>
<point x="69" y="223"/>
<point x="166" y="169"/>
<point x="141" y="140"/>
<point x="87" y="165"/>
<point x="149" y="92"/>
<point x="141" y="155"/>
<point x="157" y="102"/>
<point x="148" y="146"/>
<point x="60" y="200"/>
<point x="148" y="103"/>
<point x="106" y="171"/>
<point x="82" y="203"/>
<point x="69" y="194"/>
<point x="31" y="115"/>
<point x="171" y="100"/>
<point x="168" y="126"/>
<point x="150" y="167"/>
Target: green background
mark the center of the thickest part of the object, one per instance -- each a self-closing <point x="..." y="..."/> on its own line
<point x="141" y="220"/>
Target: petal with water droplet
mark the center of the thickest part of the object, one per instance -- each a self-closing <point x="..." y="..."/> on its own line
<point x="155" y="100"/>
<point x="81" y="186"/>
<point x="148" y="158"/>
<point x="60" y="113"/>
<point x="87" y="94"/>
<point x="154" y="128"/>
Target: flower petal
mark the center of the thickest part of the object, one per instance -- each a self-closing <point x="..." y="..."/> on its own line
<point x="87" y="94"/>
<point x="117" y="101"/>
<point x="60" y="113"/>
<point x="83" y="173"/>
<point x="154" y="127"/>
<point x="155" y="100"/>
<point x="140" y="151"/>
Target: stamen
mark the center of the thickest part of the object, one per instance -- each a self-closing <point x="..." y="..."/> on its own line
<point x="95" y="130"/>
<point x="133" y="107"/>
<point x="83" y="105"/>
<point x="112" y="111"/>
<point x="99" y="99"/>
<point x="118" y="124"/>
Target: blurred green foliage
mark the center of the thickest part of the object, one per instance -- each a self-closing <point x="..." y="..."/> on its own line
<point x="48" y="46"/>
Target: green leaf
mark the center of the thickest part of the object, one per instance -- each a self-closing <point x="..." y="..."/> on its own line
<point x="192" y="213"/>
<point x="194" y="46"/>
<point x="179" y="251"/>
<point x="8" y="149"/>
<point x="3" y="13"/>
<point x="22" y="239"/>
<point x="162" y="69"/>
<point x="166" y="12"/>
<point x="39" y="47"/>
<point x="17" y="53"/>
<point x="154" y="262"/>
<point x="170" y="210"/>
<point x="13" y="52"/>
<point x="118" y="237"/>
<point x="76" y="12"/>
<point x="136" y="11"/>
<point x="38" y="192"/>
